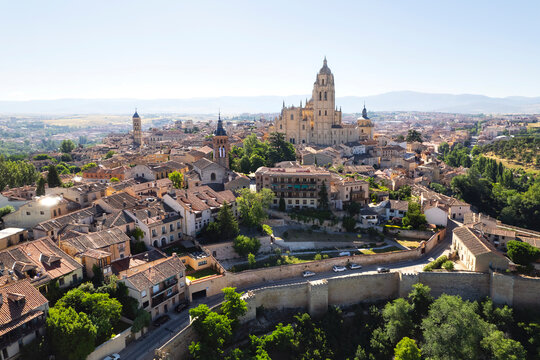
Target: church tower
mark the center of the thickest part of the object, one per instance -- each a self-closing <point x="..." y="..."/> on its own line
<point x="137" y="129"/>
<point x="365" y="126"/>
<point x="220" y="143"/>
<point x="324" y="103"/>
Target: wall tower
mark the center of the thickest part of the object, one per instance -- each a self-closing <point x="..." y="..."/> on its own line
<point x="137" y="129"/>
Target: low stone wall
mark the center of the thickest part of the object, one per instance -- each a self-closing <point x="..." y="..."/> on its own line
<point x="412" y="234"/>
<point x="225" y="251"/>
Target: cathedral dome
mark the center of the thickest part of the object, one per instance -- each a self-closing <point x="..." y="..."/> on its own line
<point x="325" y="69"/>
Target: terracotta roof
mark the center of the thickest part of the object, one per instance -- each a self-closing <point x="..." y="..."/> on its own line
<point x="97" y="240"/>
<point x="21" y="307"/>
<point x="146" y="275"/>
<point x="203" y="198"/>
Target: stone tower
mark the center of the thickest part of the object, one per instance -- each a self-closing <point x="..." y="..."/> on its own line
<point x="137" y="129"/>
<point x="365" y="126"/>
<point x="220" y="143"/>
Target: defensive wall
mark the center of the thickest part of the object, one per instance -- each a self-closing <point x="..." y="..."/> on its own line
<point x="114" y="345"/>
<point x="315" y="296"/>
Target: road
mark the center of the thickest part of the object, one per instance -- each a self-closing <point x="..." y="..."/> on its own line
<point x="143" y="348"/>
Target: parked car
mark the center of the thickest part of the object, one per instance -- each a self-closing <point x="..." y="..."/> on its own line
<point x="381" y="270"/>
<point x="308" y="273"/>
<point x="354" y="266"/>
<point x="345" y="253"/>
<point x="431" y="259"/>
<point x="161" y="320"/>
<point x="180" y="307"/>
<point x="112" y="357"/>
<point x="338" y="268"/>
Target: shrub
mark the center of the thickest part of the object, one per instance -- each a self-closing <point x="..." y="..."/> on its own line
<point x="267" y="229"/>
<point x="436" y="264"/>
<point x="448" y="265"/>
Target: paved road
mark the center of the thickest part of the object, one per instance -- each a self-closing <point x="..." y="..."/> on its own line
<point x="143" y="349"/>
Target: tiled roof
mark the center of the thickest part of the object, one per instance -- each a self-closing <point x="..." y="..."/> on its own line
<point x="97" y="240"/>
<point x="203" y="198"/>
<point x="471" y="241"/>
<point x="15" y="313"/>
<point x="146" y="275"/>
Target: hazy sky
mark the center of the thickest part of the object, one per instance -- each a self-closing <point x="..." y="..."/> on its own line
<point x="177" y="49"/>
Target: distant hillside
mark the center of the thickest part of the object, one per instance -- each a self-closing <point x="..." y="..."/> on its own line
<point x="392" y="101"/>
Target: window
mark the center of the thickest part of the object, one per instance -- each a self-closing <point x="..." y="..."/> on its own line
<point x="325" y="112"/>
<point x="42" y="213"/>
<point x="178" y="225"/>
<point x="320" y="96"/>
<point x="325" y="97"/>
<point x="145" y="304"/>
<point x="319" y="112"/>
<point x="143" y="293"/>
<point x="200" y="263"/>
<point x="28" y="213"/>
<point x="74" y="278"/>
<point x="163" y="231"/>
<point x="171" y="227"/>
<point x="212" y="176"/>
<point x="61" y="281"/>
<point x="292" y="116"/>
<point x="155" y="288"/>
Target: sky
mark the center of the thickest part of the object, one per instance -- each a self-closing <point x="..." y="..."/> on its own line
<point x="183" y="49"/>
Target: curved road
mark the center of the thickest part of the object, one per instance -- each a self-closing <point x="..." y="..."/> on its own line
<point x="143" y="348"/>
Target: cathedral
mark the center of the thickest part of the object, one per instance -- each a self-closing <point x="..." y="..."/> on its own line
<point x="319" y="121"/>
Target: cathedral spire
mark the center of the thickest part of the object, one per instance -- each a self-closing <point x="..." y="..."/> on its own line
<point x="220" y="131"/>
<point x="284" y="104"/>
<point x="364" y="112"/>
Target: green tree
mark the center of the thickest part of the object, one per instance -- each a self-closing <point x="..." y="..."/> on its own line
<point x="8" y="209"/>
<point x="323" y="197"/>
<point x="88" y="166"/>
<point x="98" y="277"/>
<point x="228" y="225"/>
<point x="251" y="260"/>
<point x="521" y="252"/>
<point x="114" y="180"/>
<point x="406" y="349"/>
<point x="444" y="148"/>
<point x="40" y="186"/>
<point x="109" y="154"/>
<point x="443" y="329"/>
<point x="213" y="329"/>
<point x="72" y="334"/>
<point x="142" y="320"/>
<point x="279" y="149"/>
<point x="244" y="245"/>
<point x="282" y="206"/>
<point x="67" y="146"/>
<point x="256" y="161"/>
<point x="253" y="206"/>
<point x="398" y="319"/>
<point x="413" y="136"/>
<point x="420" y="298"/>
<point x="309" y="340"/>
<point x="177" y="179"/>
<point x="233" y="306"/>
<point x="414" y="217"/>
<point x="66" y="157"/>
<point x="349" y="223"/>
<point x="502" y="348"/>
<point x="245" y="164"/>
<point x="53" y="179"/>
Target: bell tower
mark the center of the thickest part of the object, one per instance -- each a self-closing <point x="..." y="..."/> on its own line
<point x="220" y="142"/>
<point x="137" y="129"/>
<point x="324" y="103"/>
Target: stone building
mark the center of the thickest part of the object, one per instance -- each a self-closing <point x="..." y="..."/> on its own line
<point x="137" y="129"/>
<point x="319" y="121"/>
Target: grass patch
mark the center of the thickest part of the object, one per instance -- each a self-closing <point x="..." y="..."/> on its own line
<point x="411" y="244"/>
<point x="309" y="235"/>
<point x="202" y="274"/>
<point x="379" y="251"/>
<point x="512" y="164"/>
<point x="274" y="261"/>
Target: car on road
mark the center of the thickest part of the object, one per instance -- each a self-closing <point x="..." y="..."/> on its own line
<point x="308" y="273"/>
<point x="354" y="266"/>
<point x="381" y="270"/>
<point x="112" y="357"/>
<point x="180" y="307"/>
<point x="338" y="268"/>
<point x="431" y="259"/>
<point x="161" y="320"/>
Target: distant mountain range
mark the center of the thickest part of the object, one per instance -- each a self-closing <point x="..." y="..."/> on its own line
<point x="392" y="101"/>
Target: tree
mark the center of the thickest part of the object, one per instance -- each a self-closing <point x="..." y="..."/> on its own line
<point x="66" y="157"/>
<point x="443" y="329"/>
<point x="253" y="206"/>
<point x="251" y="260"/>
<point x="444" y="148"/>
<point x="88" y="166"/>
<point x="114" y="180"/>
<point x="53" y="179"/>
<point x="323" y="197"/>
<point x="406" y="349"/>
<point x="142" y="320"/>
<point x="40" y="186"/>
<point x="98" y="278"/>
<point x="228" y="225"/>
<point x="349" y="223"/>
<point x="213" y="329"/>
<point x="244" y="245"/>
<point x="256" y="161"/>
<point x="521" y="252"/>
<point x="413" y="136"/>
<point x="67" y="146"/>
<point x="109" y="154"/>
<point x="420" y="299"/>
<point x="398" y="319"/>
<point x="234" y="306"/>
<point x="8" y="209"/>
<point x="177" y="179"/>
<point x="279" y="149"/>
<point x="309" y="340"/>
<point x="245" y="164"/>
<point x="503" y="348"/>
<point x="282" y="206"/>
<point x="414" y="217"/>
<point x="72" y="334"/>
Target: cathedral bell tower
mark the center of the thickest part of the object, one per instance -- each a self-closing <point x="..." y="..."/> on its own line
<point x="324" y="103"/>
<point x="220" y="143"/>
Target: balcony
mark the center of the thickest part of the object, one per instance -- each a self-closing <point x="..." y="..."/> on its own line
<point x="167" y="285"/>
<point x="156" y="300"/>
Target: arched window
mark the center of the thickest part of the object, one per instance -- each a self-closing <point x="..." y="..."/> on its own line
<point x="320" y="95"/>
<point x="292" y="116"/>
<point x="213" y="176"/>
<point x="325" y="97"/>
<point x="325" y="112"/>
<point x="323" y="81"/>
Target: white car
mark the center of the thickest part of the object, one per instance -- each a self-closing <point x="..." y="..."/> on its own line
<point x="112" y="357"/>
<point x="308" y="273"/>
<point x="354" y="266"/>
<point x="337" y="268"/>
<point x="345" y="253"/>
<point x="431" y="259"/>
